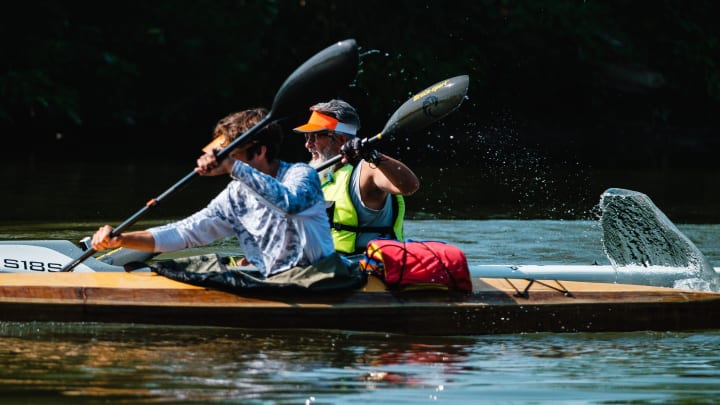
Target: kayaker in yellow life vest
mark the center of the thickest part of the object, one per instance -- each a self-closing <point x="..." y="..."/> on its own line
<point x="365" y="190"/>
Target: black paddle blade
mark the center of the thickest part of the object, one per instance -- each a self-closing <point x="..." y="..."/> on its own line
<point x="429" y="105"/>
<point x="317" y="79"/>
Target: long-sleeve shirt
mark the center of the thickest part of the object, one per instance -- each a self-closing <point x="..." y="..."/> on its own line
<point x="279" y="221"/>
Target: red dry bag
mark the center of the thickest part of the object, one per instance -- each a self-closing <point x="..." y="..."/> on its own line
<point x="409" y="264"/>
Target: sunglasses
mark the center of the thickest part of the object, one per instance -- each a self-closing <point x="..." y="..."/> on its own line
<point x="315" y="135"/>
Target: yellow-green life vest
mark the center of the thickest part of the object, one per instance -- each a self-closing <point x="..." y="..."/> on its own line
<point x="344" y="218"/>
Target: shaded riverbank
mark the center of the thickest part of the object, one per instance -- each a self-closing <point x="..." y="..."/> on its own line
<point x="113" y="192"/>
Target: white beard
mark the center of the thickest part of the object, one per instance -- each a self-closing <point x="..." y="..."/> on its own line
<point x="323" y="156"/>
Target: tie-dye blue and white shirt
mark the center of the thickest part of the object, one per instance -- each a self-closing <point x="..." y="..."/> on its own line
<point x="280" y="221"/>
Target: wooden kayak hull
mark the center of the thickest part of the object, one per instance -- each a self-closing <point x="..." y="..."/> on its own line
<point x="495" y="306"/>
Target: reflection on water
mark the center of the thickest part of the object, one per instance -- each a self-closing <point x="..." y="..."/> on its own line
<point x="144" y="364"/>
<point x="92" y="363"/>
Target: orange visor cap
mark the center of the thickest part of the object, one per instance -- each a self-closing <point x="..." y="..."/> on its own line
<point x="321" y="122"/>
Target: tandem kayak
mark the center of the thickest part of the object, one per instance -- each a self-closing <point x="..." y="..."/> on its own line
<point x="496" y="305"/>
<point x="657" y="280"/>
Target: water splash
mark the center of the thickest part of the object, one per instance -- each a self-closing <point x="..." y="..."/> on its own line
<point x="636" y="235"/>
<point x="542" y="187"/>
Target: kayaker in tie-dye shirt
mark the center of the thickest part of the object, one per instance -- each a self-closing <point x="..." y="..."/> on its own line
<point x="275" y="208"/>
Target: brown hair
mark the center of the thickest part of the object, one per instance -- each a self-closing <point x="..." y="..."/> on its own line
<point x="237" y="123"/>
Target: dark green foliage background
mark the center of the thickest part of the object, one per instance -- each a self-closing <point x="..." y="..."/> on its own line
<point x="122" y="72"/>
<point x="559" y="88"/>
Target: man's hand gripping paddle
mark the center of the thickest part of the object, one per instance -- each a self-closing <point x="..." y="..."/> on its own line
<point x="421" y="110"/>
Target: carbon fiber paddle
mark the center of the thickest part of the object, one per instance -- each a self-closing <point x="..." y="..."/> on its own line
<point x="421" y="110"/>
<point x="318" y="78"/>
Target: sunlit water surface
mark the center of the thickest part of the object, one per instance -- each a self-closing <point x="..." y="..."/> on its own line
<point x="118" y="363"/>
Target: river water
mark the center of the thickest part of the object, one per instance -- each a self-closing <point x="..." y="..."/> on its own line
<point x="121" y="363"/>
